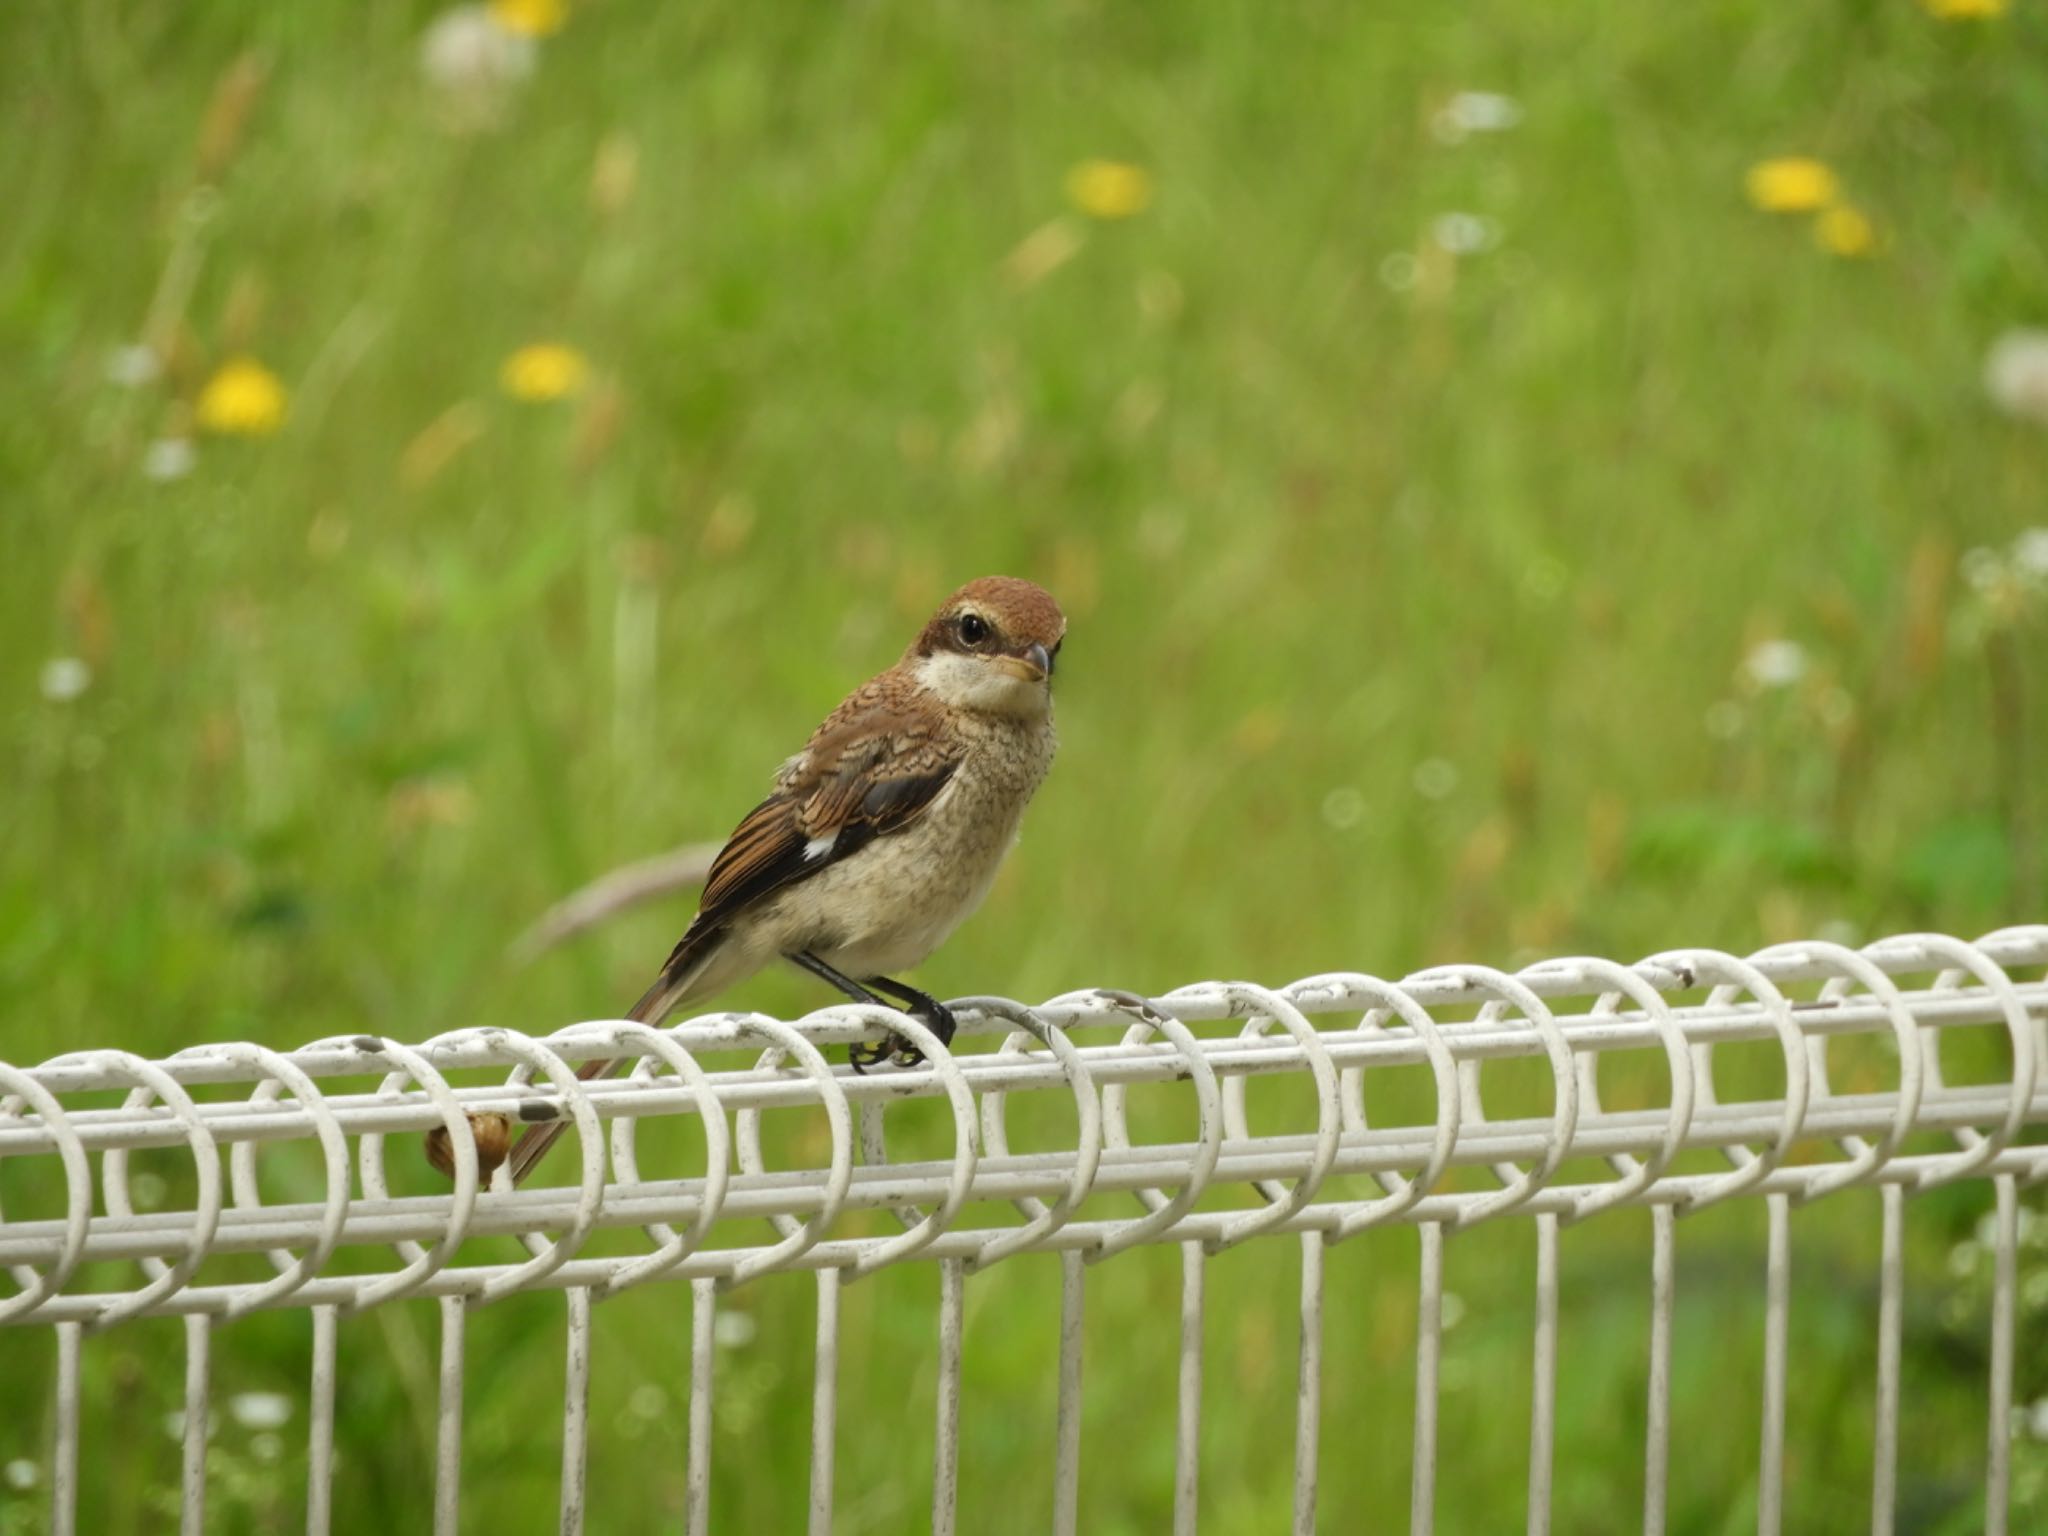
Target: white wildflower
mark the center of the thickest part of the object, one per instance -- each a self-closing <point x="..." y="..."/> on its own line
<point x="1464" y="234"/>
<point x="1983" y="569"/>
<point x="134" y="366"/>
<point x="169" y="458"/>
<point x="65" y="678"/>
<point x="2016" y="375"/>
<point x="2030" y="554"/>
<point x="1400" y="271"/>
<point x="474" y="62"/>
<point x="1343" y="808"/>
<point x="1435" y="778"/>
<point x="2037" y="1418"/>
<point x="1986" y="1230"/>
<point x="1775" y="664"/>
<point x="1470" y="112"/>
<point x="260" y="1410"/>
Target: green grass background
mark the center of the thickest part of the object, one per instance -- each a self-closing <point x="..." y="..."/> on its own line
<point x="355" y="716"/>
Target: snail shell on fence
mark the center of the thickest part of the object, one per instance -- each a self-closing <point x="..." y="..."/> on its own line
<point x="493" y="1134"/>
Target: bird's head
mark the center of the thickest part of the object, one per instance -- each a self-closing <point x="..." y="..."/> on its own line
<point x="991" y="648"/>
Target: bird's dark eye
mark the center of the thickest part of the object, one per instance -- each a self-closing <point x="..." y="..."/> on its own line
<point x="973" y="628"/>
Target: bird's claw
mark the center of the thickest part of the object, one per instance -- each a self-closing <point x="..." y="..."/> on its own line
<point x="863" y="1054"/>
<point x="897" y="1051"/>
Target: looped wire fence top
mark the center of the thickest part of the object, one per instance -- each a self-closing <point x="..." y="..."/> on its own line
<point x="1473" y="1153"/>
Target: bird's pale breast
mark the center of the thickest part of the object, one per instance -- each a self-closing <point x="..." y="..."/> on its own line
<point x="890" y="905"/>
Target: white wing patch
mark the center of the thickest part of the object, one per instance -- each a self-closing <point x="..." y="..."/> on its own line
<point x="818" y="847"/>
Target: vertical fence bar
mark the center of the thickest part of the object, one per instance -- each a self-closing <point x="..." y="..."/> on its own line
<point x="1998" y="1463"/>
<point x="448" y="1429"/>
<point x="1187" y="1452"/>
<point x="1657" y="1436"/>
<point x="1770" y="1496"/>
<point x="1543" y="1390"/>
<point x="1428" y="1342"/>
<point x="1066" y="1481"/>
<point x="64" y="1475"/>
<point x="824" y="1403"/>
<point x="703" y="1339"/>
<point x="198" y="1404"/>
<point x="320" y="1426"/>
<point x="1308" y="1408"/>
<point x="576" y="1414"/>
<point x="946" y="1444"/>
<point x="1884" y="1473"/>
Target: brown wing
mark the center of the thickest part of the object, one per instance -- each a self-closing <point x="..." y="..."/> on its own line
<point x="868" y="772"/>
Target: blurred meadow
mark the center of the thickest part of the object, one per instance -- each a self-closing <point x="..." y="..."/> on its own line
<point x="1523" y="480"/>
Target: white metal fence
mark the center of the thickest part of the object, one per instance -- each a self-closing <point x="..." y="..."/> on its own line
<point x="1228" y="1185"/>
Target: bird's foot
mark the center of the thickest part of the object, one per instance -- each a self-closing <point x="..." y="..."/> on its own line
<point x="863" y="1054"/>
<point x="897" y="1051"/>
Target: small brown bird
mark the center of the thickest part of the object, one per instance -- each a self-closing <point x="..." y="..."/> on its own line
<point x="882" y="835"/>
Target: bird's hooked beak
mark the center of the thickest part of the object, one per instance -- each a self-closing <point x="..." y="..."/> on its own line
<point x="1032" y="665"/>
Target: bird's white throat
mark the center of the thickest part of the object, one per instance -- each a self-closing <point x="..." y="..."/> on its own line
<point x="976" y="683"/>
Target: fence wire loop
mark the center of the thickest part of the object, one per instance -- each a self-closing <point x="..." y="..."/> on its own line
<point x="1730" y="978"/>
<point x="798" y="1237"/>
<point x="279" y="1075"/>
<point x="1382" y="1000"/>
<point x="152" y="1082"/>
<point x="533" y="1056"/>
<point x="1969" y="960"/>
<point x="1850" y="970"/>
<point x="1041" y="1219"/>
<point x="1269" y="1009"/>
<point x="1624" y="984"/>
<point x="423" y="1263"/>
<point x="657" y="1049"/>
<point x="923" y="1226"/>
<point x="1201" y="1166"/>
<point x="39" y="1285"/>
<point x="1503" y="992"/>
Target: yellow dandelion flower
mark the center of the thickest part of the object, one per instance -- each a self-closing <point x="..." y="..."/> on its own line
<point x="1845" y="231"/>
<point x="1794" y="184"/>
<point x="531" y="18"/>
<point x="544" y="371"/>
<point x="1109" y="189"/>
<point x="242" y="399"/>
<point x="1966" y="10"/>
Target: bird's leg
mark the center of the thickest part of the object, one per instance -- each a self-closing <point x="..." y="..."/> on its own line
<point x="861" y="1055"/>
<point x="923" y="1007"/>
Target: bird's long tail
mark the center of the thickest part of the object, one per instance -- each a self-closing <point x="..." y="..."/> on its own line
<point x="654" y="1005"/>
